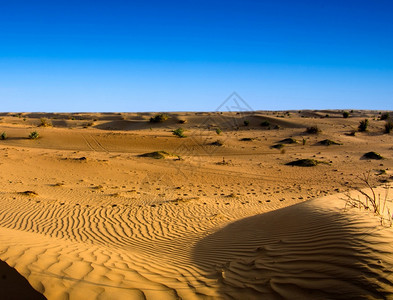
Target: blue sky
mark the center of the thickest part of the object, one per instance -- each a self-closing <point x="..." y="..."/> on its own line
<point x="191" y="55"/>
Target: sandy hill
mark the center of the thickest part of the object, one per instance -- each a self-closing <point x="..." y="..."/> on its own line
<point x="113" y="206"/>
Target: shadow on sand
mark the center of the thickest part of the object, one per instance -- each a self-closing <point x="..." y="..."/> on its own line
<point x="300" y="252"/>
<point x="14" y="286"/>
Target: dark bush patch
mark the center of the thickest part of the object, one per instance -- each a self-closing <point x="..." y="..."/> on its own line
<point x="156" y="154"/>
<point x="288" y="141"/>
<point x="328" y="142"/>
<point x="217" y="143"/>
<point x="305" y="162"/>
<point x="278" y="146"/>
<point x="313" y="130"/>
<point x="363" y="125"/>
<point x="159" y="118"/>
<point x="372" y="155"/>
<point x="265" y="123"/>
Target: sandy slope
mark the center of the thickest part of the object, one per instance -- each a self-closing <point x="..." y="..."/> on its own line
<point x="105" y="223"/>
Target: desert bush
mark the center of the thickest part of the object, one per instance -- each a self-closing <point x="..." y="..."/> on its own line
<point x="45" y="123"/>
<point x="345" y="114"/>
<point x="246" y="122"/>
<point x="313" y="130"/>
<point x="363" y="125"/>
<point x="218" y="131"/>
<point x="305" y="162"/>
<point x="179" y="132"/>
<point x="328" y="142"/>
<point x="156" y="154"/>
<point x="388" y="126"/>
<point x="34" y="135"/>
<point x="3" y="136"/>
<point x="159" y="118"/>
<point x="372" y="155"/>
<point x="288" y="141"/>
<point x="385" y="116"/>
<point x="372" y="202"/>
<point x="265" y="123"/>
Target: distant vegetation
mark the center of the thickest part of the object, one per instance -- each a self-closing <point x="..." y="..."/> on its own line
<point x="34" y="135"/>
<point x="156" y="154"/>
<point x="388" y="126"/>
<point x="246" y="122"/>
<point x="328" y="142"/>
<point x="372" y="155"/>
<point x="345" y="114"/>
<point x="305" y="162"/>
<point x="159" y="118"/>
<point x="278" y="146"/>
<point x="385" y="116"/>
<point x="313" y="130"/>
<point x="363" y="125"/>
<point x="218" y="131"/>
<point x="3" y="136"/>
<point x="217" y="143"/>
<point x="45" y="123"/>
<point x="179" y="132"/>
<point x="288" y="141"/>
<point x="265" y="123"/>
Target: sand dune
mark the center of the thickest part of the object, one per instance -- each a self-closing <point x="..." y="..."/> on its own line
<point x="84" y="216"/>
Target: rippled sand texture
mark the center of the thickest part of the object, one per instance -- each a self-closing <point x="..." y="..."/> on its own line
<point x="83" y="216"/>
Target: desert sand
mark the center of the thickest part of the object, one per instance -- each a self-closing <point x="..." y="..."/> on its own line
<point x="84" y="214"/>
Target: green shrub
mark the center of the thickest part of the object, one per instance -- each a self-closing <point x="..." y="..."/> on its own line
<point x="218" y="131"/>
<point x="246" y="122"/>
<point x="385" y="116"/>
<point x="363" y="125"/>
<point x="313" y="130"/>
<point x="45" y="123"/>
<point x="3" y="136"/>
<point x="345" y="114"/>
<point x="33" y="135"/>
<point x="179" y="132"/>
<point x="159" y="118"/>
<point x="265" y="123"/>
<point x="388" y="126"/>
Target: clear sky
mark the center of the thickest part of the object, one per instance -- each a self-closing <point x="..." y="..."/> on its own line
<point x="191" y="55"/>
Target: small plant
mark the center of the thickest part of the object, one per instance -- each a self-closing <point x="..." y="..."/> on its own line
<point x="345" y="114"/>
<point x="385" y="116"/>
<point x="246" y="122"/>
<point x="388" y="126"/>
<point x="159" y="118"/>
<point x="3" y="136"/>
<point x="313" y="130"/>
<point x="45" y="123"/>
<point x="179" y="132"/>
<point x="363" y="125"/>
<point x="34" y="135"/>
<point x="218" y="131"/>
<point x="304" y="141"/>
<point x="265" y="123"/>
<point x="372" y="202"/>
